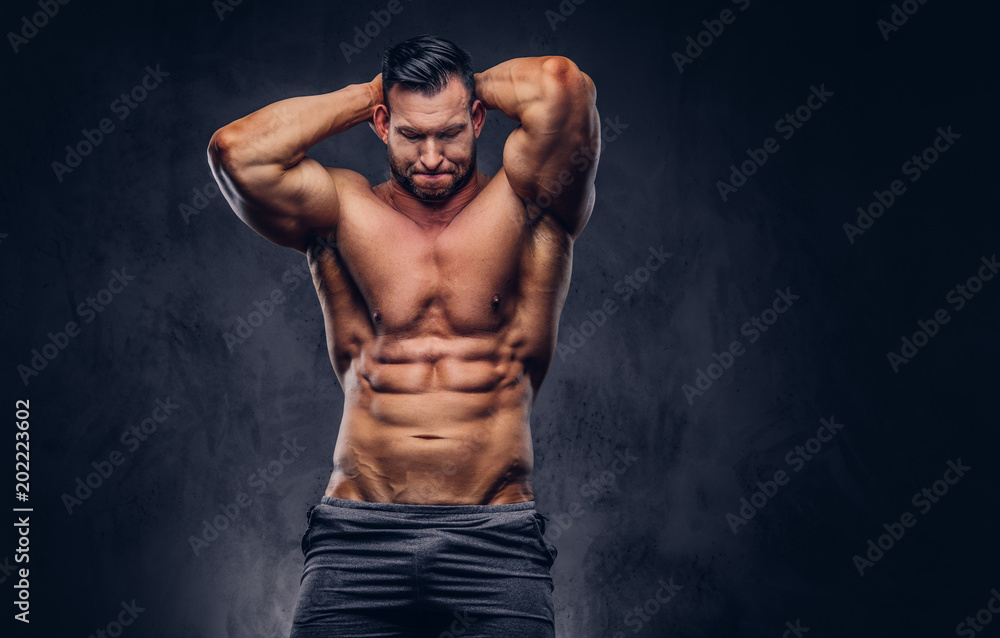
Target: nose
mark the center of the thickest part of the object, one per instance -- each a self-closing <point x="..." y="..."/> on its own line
<point x="431" y="155"/>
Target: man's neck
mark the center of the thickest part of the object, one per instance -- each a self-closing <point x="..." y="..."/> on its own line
<point x="430" y="214"/>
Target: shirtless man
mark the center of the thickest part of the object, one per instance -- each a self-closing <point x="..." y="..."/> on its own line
<point x="441" y="290"/>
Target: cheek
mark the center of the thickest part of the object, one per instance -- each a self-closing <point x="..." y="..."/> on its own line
<point x="402" y="153"/>
<point x="459" y="152"/>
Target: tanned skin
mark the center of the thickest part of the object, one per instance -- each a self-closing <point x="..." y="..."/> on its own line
<point x="441" y="302"/>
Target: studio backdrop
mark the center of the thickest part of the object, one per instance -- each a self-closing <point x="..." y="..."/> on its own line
<point x="772" y="407"/>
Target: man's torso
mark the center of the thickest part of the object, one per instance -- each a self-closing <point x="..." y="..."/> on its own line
<point x="440" y="338"/>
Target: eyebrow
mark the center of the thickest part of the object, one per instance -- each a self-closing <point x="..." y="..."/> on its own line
<point x="450" y="127"/>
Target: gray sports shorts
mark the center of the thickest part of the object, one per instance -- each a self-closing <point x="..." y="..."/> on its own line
<point x="381" y="570"/>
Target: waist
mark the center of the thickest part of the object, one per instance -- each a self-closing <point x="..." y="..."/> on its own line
<point x="446" y="461"/>
<point x="412" y="510"/>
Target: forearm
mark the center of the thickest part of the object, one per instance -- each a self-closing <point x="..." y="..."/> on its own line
<point x="524" y="87"/>
<point x="282" y="133"/>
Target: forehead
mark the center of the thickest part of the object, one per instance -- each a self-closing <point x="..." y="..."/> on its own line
<point x="417" y="110"/>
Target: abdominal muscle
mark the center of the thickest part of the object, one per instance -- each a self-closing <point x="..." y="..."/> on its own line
<point x="435" y="420"/>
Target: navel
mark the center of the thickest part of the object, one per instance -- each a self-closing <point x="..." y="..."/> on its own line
<point x="377" y="316"/>
<point x="495" y="302"/>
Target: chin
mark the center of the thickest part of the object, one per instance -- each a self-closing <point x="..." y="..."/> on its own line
<point x="438" y="193"/>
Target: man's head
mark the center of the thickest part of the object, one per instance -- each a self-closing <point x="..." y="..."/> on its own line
<point x="430" y="118"/>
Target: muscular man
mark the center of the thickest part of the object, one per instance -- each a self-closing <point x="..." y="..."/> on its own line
<point x="441" y="289"/>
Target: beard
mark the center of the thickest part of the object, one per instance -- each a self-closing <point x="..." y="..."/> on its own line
<point x="460" y="176"/>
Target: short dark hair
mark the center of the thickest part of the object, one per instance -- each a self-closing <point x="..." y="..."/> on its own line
<point x="425" y="64"/>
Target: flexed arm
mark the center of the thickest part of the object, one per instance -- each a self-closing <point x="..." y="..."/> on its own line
<point x="555" y="102"/>
<point x="261" y="166"/>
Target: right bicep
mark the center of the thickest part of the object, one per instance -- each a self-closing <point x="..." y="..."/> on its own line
<point x="285" y="205"/>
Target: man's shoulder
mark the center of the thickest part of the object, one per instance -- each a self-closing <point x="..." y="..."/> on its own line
<point x="353" y="188"/>
<point x="346" y="178"/>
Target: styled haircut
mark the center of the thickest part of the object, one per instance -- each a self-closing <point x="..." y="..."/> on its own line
<point x="425" y="64"/>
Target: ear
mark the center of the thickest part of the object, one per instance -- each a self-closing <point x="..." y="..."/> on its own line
<point x="478" y="117"/>
<point x="380" y="122"/>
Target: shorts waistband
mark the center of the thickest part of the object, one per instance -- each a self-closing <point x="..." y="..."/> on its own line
<point x="412" y="508"/>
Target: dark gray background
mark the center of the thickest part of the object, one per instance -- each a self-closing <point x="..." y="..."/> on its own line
<point x="621" y="391"/>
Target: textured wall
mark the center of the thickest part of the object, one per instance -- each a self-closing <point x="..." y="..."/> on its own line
<point x="642" y="476"/>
